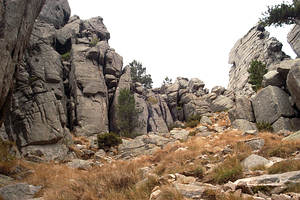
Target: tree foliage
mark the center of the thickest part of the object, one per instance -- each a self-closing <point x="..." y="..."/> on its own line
<point x="167" y="80"/>
<point x="138" y="74"/>
<point x="108" y="140"/>
<point x="281" y="14"/>
<point x="257" y="71"/>
<point x="127" y="113"/>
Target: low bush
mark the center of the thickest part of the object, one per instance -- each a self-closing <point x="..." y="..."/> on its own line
<point x="284" y="166"/>
<point x="108" y="140"/>
<point x="264" y="126"/>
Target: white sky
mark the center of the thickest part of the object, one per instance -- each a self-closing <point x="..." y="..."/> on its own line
<point x="187" y="38"/>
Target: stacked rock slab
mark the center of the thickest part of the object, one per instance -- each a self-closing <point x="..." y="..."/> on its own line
<point x="16" y="22"/>
<point x="255" y="45"/>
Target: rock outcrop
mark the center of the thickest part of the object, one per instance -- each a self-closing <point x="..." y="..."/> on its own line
<point x="16" y="23"/>
<point x="293" y="38"/>
<point x="255" y="45"/>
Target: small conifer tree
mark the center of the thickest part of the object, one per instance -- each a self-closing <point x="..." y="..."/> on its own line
<point x="257" y="71"/>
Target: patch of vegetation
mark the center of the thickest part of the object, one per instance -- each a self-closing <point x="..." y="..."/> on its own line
<point x="282" y="150"/>
<point x="281" y="14"/>
<point x="264" y="126"/>
<point x="196" y="117"/>
<point x="193" y="133"/>
<point x="167" y="81"/>
<point x="262" y="188"/>
<point x="7" y="157"/>
<point x="230" y="170"/>
<point x="194" y="170"/>
<point x="193" y="121"/>
<point x="191" y="124"/>
<point x="170" y="193"/>
<point x="293" y="187"/>
<point x="284" y="166"/>
<point x="66" y="56"/>
<point x="152" y="100"/>
<point x="179" y="108"/>
<point x="127" y="112"/>
<point x="94" y="41"/>
<point x="175" y="125"/>
<point x="108" y="140"/>
<point x="257" y="71"/>
<point x="138" y="74"/>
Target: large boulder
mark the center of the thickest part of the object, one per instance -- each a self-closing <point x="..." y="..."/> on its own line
<point x="222" y="103"/>
<point x="273" y="78"/>
<point x="243" y="125"/>
<point x="293" y="84"/>
<point x="242" y="109"/>
<point x="19" y="191"/>
<point x="56" y="12"/>
<point x="270" y="104"/>
<point x="16" y="23"/>
<point x="255" y="45"/>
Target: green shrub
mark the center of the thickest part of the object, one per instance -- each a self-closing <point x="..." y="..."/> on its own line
<point x="191" y="124"/>
<point x="264" y="126"/>
<point x="127" y="112"/>
<point x="108" y="140"/>
<point x="94" y="42"/>
<point x="66" y="56"/>
<point x="196" y="117"/>
<point x="257" y="71"/>
<point x="281" y="14"/>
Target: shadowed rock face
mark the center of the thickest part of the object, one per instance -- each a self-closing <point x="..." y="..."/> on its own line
<point x="16" y="22"/>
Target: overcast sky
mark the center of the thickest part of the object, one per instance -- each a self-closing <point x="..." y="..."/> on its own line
<point x="187" y="38"/>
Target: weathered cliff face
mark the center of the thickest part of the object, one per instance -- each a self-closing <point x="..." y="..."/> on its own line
<point x="16" y="22"/>
<point x="277" y="103"/>
<point x="255" y="45"/>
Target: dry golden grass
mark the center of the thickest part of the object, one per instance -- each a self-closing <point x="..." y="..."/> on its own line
<point x="118" y="181"/>
<point x="275" y="147"/>
<point x="284" y="166"/>
<point x="170" y="193"/>
<point x="110" y="182"/>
